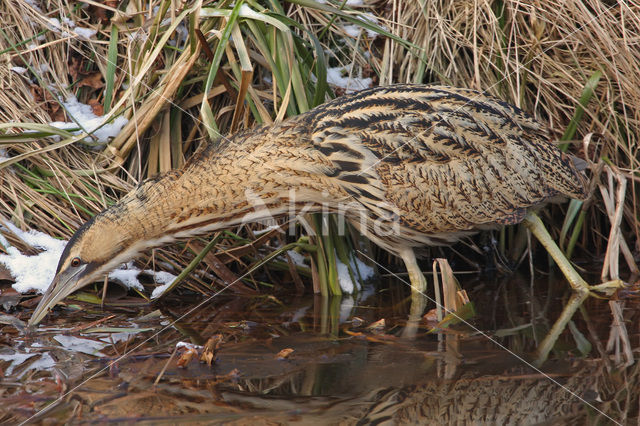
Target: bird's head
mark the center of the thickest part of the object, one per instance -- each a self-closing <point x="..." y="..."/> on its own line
<point x="97" y="247"/>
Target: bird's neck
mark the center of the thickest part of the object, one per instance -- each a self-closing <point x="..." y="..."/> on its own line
<point x="241" y="184"/>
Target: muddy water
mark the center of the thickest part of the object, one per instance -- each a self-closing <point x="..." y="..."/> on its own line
<point x="280" y="360"/>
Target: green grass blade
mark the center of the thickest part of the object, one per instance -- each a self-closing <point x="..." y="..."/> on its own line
<point x="585" y="97"/>
<point x="207" y="115"/>
<point x="572" y="212"/>
<point x="112" y="60"/>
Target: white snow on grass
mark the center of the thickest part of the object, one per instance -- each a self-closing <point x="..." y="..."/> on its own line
<point x="165" y="279"/>
<point x="296" y="257"/>
<point x="346" y="283"/>
<point x="68" y="22"/>
<point x="187" y="345"/>
<point x="57" y="26"/>
<point x="33" y="4"/>
<point x="352" y="30"/>
<point x="45" y="362"/>
<point x="262" y="231"/>
<point x="54" y="23"/>
<point x="90" y="122"/>
<point x="85" y="33"/>
<point x="36" y="272"/>
<point x="32" y="272"/>
<point x="127" y="276"/>
<point x="340" y="77"/>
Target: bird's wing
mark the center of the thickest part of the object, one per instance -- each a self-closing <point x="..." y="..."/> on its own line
<point x="447" y="159"/>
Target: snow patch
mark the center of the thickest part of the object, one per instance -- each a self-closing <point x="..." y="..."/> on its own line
<point x="127" y="276"/>
<point x="347" y="285"/>
<point x="33" y="4"/>
<point x="161" y="277"/>
<point x="90" y="122"/>
<point x="85" y="33"/>
<point x="259" y="232"/>
<point x="296" y="257"/>
<point x="32" y="272"/>
<point x="36" y="272"/>
<point x="352" y="30"/>
<point x="341" y="77"/>
<point x="187" y="345"/>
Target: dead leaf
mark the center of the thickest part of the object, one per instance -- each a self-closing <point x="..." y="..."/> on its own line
<point x="9" y="298"/>
<point x="93" y="80"/>
<point x="377" y="326"/>
<point x="284" y="354"/>
<point x="100" y="13"/>
<point x="49" y="103"/>
<point x="32" y="302"/>
<point x="211" y="349"/>
<point x="96" y="106"/>
<point x="5" y="274"/>
<point x="431" y="316"/>
<point x="73" y="67"/>
<point x="186" y="357"/>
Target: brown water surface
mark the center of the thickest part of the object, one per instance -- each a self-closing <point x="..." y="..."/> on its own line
<point x="341" y="365"/>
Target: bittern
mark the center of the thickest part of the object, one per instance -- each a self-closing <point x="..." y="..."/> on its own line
<point x="414" y="165"/>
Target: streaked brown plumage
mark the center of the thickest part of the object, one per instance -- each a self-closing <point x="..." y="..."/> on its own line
<point x="430" y="163"/>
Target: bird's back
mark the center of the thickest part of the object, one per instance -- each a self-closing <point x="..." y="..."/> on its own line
<point x="442" y="159"/>
<point x="423" y="164"/>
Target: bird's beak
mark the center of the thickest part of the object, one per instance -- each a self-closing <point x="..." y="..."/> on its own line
<point x="64" y="283"/>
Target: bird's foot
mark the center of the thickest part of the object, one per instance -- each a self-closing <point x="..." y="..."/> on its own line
<point x="582" y="291"/>
<point x="606" y="288"/>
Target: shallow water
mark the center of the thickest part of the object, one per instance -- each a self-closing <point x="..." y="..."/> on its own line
<point x="340" y="370"/>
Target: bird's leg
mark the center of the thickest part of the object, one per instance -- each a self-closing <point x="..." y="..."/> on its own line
<point x="418" y="286"/>
<point x="549" y="341"/>
<point x="535" y="225"/>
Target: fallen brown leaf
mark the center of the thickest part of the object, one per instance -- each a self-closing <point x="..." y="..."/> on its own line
<point x="73" y="68"/>
<point x="284" y="354"/>
<point x="93" y="80"/>
<point x="186" y="357"/>
<point x="96" y="106"/>
<point x="377" y="326"/>
<point x="211" y="349"/>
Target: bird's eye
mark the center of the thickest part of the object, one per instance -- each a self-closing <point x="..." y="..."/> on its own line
<point x="75" y="262"/>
